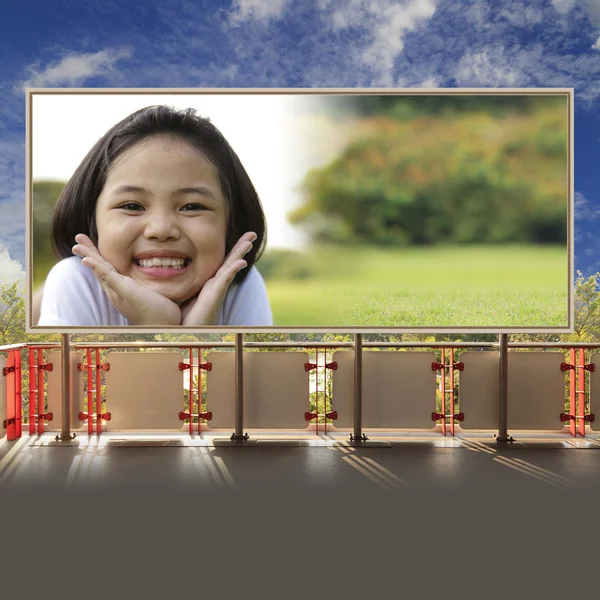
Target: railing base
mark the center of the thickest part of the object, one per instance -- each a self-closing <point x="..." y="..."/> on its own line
<point x="504" y="439"/>
<point x="61" y="437"/>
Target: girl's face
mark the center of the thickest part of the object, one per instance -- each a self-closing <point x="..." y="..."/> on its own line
<point x="162" y="217"/>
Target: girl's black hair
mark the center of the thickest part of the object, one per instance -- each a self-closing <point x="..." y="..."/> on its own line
<point x="76" y="206"/>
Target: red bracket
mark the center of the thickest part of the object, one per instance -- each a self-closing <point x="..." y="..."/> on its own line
<point x="564" y="417"/>
<point x="309" y="416"/>
<point x="205" y="415"/>
<point x="436" y="366"/>
<point x="46" y="367"/>
<point x="332" y="365"/>
<point x="102" y="367"/>
<point x="309" y="366"/>
<point x="48" y="417"/>
<point x="591" y="367"/>
<point x="85" y="416"/>
<point x="8" y="422"/>
<point x="439" y="416"/>
<point x="566" y="366"/>
<point x="7" y="370"/>
<point x="206" y="366"/>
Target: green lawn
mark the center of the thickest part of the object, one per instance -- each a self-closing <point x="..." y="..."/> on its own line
<point x="476" y="286"/>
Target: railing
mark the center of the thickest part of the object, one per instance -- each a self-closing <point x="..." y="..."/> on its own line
<point x="323" y="416"/>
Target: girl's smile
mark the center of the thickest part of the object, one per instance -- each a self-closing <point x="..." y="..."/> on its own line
<point x="162" y="217"/>
<point x="162" y="264"/>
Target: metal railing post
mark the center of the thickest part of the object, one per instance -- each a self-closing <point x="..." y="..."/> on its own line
<point x="239" y="389"/>
<point x="503" y="391"/>
<point x="65" y="433"/>
<point x="358" y="436"/>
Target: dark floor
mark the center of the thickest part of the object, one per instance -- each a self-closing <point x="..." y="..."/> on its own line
<point x="429" y="516"/>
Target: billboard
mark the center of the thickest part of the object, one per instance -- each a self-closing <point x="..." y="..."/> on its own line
<point x="300" y="210"/>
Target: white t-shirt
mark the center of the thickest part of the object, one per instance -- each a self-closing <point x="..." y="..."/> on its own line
<point x="74" y="297"/>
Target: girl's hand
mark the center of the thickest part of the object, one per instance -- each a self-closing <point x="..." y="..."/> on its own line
<point x="137" y="303"/>
<point x="203" y="309"/>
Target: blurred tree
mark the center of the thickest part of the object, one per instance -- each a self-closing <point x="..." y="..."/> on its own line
<point x="475" y="178"/>
<point x="45" y="195"/>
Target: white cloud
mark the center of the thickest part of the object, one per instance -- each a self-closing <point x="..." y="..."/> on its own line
<point x="386" y="23"/>
<point x="477" y="14"/>
<point x="584" y="209"/>
<point x="10" y="270"/>
<point x="563" y="6"/>
<point x="12" y="193"/>
<point x="489" y="67"/>
<point x="596" y="45"/>
<point x="74" y="69"/>
<point x="521" y="16"/>
<point x="430" y="82"/>
<point x="261" y="11"/>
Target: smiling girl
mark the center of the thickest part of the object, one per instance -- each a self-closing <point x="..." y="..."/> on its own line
<point x="167" y="227"/>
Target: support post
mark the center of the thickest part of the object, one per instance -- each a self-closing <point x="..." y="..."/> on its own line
<point x="65" y="434"/>
<point x="239" y="435"/>
<point x="357" y="437"/>
<point x="503" y="391"/>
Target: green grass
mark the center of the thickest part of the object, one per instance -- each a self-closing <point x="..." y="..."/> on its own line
<point x="477" y="286"/>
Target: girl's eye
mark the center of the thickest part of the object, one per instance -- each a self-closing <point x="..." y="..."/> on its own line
<point x="131" y="206"/>
<point x="192" y="206"/>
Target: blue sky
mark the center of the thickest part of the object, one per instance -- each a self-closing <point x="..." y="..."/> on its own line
<point x="313" y="43"/>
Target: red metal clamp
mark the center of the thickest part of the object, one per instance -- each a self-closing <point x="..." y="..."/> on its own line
<point x="309" y="366"/>
<point x="48" y="417"/>
<point x="566" y="417"/>
<point x="459" y="366"/>
<point x="332" y="415"/>
<point x="81" y="367"/>
<point x="332" y="365"/>
<point x="205" y="415"/>
<point x="436" y="366"/>
<point x="8" y="422"/>
<point x="438" y="416"/>
<point x="206" y="366"/>
<point x="106" y="416"/>
<point x="591" y="367"/>
<point x="183" y="366"/>
<point x="46" y="367"/>
<point x="7" y="370"/>
<point x="309" y="416"/>
<point x="566" y="366"/>
<point x="103" y="367"/>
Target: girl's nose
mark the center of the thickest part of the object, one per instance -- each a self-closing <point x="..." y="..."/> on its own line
<point x="161" y="226"/>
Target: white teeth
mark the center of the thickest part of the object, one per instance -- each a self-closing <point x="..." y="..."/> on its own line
<point x="172" y="263"/>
